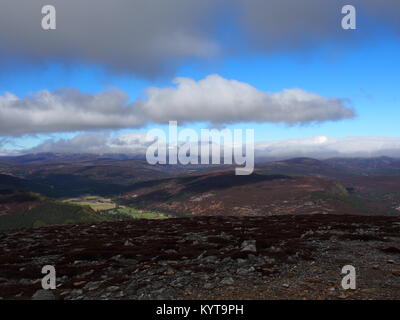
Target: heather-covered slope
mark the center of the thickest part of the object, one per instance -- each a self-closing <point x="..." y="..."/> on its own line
<point x="224" y="193"/>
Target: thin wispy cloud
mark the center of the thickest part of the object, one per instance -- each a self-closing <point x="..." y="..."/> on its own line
<point x="319" y="147"/>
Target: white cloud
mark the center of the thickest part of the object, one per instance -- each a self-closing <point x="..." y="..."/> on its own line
<point x="132" y="143"/>
<point x="221" y="101"/>
<point x="320" y="147"/>
<point x="213" y="99"/>
<point x="65" y="111"/>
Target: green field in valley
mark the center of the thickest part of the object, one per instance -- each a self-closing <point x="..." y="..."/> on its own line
<point x="108" y="206"/>
<point x="95" y="202"/>
<point x="137" y="214"/>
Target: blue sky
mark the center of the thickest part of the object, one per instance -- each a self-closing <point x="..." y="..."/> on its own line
<point x="364" y="73"/>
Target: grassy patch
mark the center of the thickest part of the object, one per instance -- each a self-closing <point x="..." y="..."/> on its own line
<point x="95" y="202"/>
<point x="137" y="214"/>
<point x="109" y="207"/>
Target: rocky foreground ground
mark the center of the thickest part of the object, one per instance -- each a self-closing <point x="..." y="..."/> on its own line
<point x="278" y="257"/>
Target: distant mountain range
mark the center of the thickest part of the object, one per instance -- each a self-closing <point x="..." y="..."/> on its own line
<point x="378" y="165"/>
<point x="294" y="186"/>
<point x="335" y="167"/>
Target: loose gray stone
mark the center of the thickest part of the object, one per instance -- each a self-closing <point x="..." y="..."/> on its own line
<point x="244" y="271"/>
<point x="43" y="295"/>
<point x="209" y="285"/>
<point x="112" y="288"/>
<point x="228" y="281"/>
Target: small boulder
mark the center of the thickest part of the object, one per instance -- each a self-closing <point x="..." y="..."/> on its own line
<point x="249" y="246"/>
<point x="128" y="243"/>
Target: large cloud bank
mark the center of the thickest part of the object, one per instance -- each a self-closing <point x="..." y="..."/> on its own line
<point x="151" y="37"/>
<point x="213" y="99"/>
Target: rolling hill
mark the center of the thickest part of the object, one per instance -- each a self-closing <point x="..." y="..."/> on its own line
<point x="223" y="193"/>
<point x="293" y="186"/>
<point x="21" y="209"/>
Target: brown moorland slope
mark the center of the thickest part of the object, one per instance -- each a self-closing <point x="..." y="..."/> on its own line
<point x="224" y="193"/>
